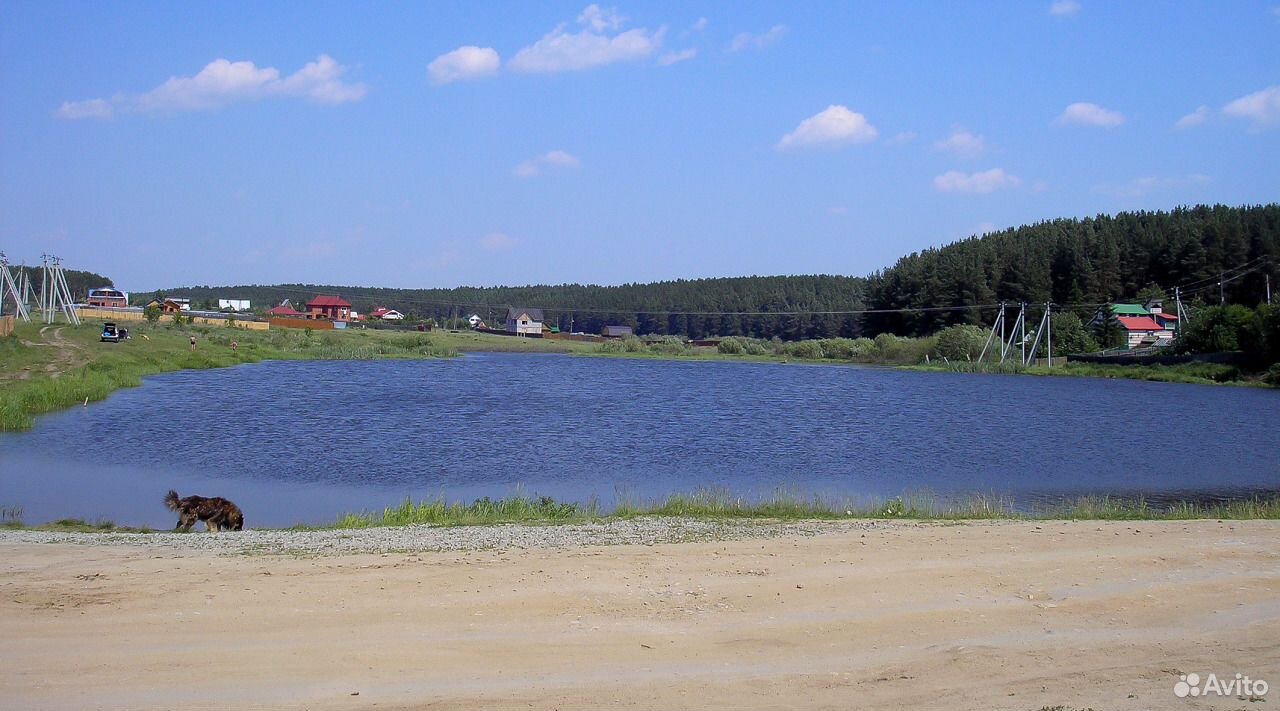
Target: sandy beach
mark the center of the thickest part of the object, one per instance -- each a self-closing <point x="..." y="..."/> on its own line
<point x="978" y="615"/>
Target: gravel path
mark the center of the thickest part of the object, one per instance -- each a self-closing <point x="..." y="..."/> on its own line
<point x="641" y="531"/>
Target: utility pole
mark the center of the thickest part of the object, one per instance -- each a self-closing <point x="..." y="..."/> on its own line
<point x="1268" y="277"/>
<point x="1048" y="320"/>
<point x="1222" y="293"/>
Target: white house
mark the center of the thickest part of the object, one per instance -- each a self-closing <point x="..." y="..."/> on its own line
<point x="524" y="322"/>
<point x="237" y="304"/>
<point x="475" y="320"/>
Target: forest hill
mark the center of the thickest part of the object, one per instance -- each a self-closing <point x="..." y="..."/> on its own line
<point x="1078" y="264"/>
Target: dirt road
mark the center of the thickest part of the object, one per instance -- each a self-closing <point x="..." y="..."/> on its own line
<point x="1010" y="615"/>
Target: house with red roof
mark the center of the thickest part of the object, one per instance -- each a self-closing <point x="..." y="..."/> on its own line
<point x="383" y="312"/>
<point x="331" y="308"/>
<point x="1144" y="332"/>
<point x="285" y="310"/>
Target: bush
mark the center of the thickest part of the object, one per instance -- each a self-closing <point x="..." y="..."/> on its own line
<point x="730" y="346"/>
<point x="840" y="349"/>
<point x="960" y="343"/>
<point x="805" y="350"/>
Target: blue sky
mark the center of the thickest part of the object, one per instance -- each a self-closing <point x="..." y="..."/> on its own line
<point x="446" y="144"/>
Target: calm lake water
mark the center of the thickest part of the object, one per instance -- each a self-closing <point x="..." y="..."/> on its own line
<point x="295" y="442"/>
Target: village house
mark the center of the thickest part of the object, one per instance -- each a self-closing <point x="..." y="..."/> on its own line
<point x="236" y="304"/>
<point x="386" y="314"/>
<point x="1145" y="326"/>
<point x="332" y="308"/>
<point x="285" y="310"/>
<point x="617" y="331"/>
<point x="524" y="322"/>
<point x="475" y="321"/>
<point x="169" y="305"/>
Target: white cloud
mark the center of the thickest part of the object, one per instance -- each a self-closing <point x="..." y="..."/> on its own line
<point x="498" y="242"/>
<point x="561" y="51"/>
<point x="1149" y="184"/>
<point x="222" y="83"/>
<point x="1086" y="114"/>
<point x="462" y="64"/>
<point x="1195" y="118"/>
<point x="746" y="40"/>
<point x="93" y="108"/>
<point x="834" y="126"/>
<point x="963" y="144"/>
<point x="683" y="55"/>
<point x="902" y="138"/>
<point x="699" y="26"/>
<point x="988" y="181"/>
<point x="1261" y="107"/>
<point x="600" y="20"/>
<point x="1064" y="8"/>
<point x="550" y="159"/>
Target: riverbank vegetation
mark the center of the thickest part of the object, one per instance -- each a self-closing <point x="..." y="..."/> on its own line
<point x="957" y="349"/>
<point x="48" y="368"/>
<point x="717" y="504"/>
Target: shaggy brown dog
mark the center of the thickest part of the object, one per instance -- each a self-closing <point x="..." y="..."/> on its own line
<point x="217" y="513"/>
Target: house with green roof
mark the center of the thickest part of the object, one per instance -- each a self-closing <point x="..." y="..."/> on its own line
<point x="1144" y="326"/>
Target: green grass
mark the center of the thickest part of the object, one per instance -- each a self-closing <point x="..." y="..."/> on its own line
<point x="485" y="511"/>
<point x="1188" y="373"/>
<point x="76" y="525"/>
<point x="38" y="379"/>
<point x="718" y="504"/>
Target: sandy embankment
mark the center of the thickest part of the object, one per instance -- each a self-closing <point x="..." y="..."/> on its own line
<point x="1010" y="615"/>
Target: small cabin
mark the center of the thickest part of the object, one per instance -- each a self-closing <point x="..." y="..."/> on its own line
<point x="524" y="321"/>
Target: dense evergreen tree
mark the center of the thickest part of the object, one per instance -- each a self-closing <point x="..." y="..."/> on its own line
<point x="1082" y="264"/>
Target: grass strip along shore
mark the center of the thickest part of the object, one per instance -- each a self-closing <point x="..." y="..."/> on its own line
<point x="48" y="368"/>
<point x="715" y="504"/>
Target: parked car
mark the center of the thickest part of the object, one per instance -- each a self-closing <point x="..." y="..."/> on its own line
<point x="111" y="333"/>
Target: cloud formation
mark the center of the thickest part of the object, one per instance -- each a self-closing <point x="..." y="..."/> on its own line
<point x="1261" y="107"/>
<point x="562" y="51"/>
<point x="1064" y="8"/>
<point x="463" y="64"/>
<point x="1086" y="114"/>
<point x="962" y="144"/>
<point x="550" y="159"/>
<point x="498" y="242"/>
<point x="987" y="181"/>
<point x="746" y="40"/>
<point x="222" y="83"/>
<point x="1195" y="118"/>
<point x="833" y="127"/>
<point x="683" y="55"/>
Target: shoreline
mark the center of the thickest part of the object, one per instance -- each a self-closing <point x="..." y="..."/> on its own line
<point x="1006" y="615"/>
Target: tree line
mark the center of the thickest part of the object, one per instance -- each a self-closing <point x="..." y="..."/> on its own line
<point x="1078" y="264"/>
<point x="1081" y="264"/>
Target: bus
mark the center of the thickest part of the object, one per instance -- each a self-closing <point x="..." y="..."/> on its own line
<point x="107" y="296"/>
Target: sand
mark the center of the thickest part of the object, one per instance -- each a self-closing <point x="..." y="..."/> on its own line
<point x="1003" y="615"/>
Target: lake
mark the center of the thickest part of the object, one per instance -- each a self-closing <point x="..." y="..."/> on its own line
<point x="301" y="442"/>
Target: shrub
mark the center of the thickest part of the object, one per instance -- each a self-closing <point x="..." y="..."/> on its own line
<point x="730" y="346"/>
<point x="960" y="342"/>
<point x="806" y="350"/>
<point x="839" y="349"/>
